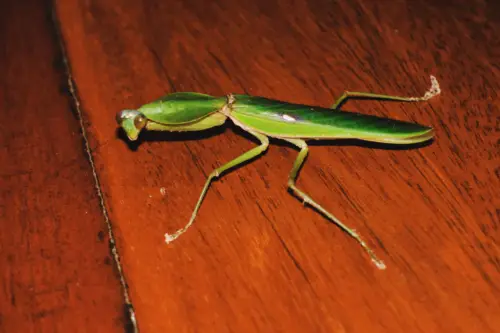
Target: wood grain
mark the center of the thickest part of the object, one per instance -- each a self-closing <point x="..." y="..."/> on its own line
<point x="256" y="259"/>
<point x="56" y="270"/>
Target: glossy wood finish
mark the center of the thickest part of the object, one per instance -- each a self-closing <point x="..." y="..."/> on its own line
<point x="56" y="270"/>
<point x="256" y="259"/>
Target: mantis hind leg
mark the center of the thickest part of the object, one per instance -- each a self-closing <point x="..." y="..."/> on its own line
<point x="433" y="91"/>
<point x="264" y="143"/>
<point x="299" y="161"/>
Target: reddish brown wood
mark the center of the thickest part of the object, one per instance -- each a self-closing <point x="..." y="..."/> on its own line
<point x="256" y="260"/>
<point x="56" y="271"/>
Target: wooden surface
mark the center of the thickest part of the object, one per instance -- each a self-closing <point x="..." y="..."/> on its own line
<point x="256" y="259"/>
<point x="56" y="271"/>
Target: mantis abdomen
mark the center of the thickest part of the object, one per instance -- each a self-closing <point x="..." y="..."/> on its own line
<point x="281" y="119"/>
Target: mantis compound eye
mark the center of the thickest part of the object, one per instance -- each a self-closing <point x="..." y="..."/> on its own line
<point x="140" y="121"/>
<point x="132" y="122"/>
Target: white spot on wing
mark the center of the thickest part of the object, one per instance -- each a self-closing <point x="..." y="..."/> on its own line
<point x="288" y="118"/>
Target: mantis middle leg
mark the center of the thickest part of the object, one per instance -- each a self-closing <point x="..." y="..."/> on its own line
<point x="264" y="143"/>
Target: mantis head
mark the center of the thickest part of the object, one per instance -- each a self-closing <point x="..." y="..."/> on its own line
<point x="132" y="122"/>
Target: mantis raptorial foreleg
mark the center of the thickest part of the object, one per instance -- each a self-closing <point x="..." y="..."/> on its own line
<point x="433" y="91"/>
<point x="264" y="143"/>
<point x="299" y="161"/>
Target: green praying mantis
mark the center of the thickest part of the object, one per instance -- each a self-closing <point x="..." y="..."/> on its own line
<point x="264" y="118"/>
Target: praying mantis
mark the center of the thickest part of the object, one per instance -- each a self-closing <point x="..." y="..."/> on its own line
<point x="266" y="118"/>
